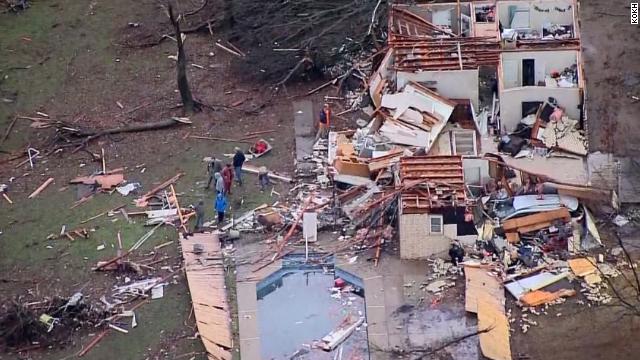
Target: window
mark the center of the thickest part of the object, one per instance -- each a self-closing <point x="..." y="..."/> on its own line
<point x="464" y="143"/>
<point x="435" y="224"/>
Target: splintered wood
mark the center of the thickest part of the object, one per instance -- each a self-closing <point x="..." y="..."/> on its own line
<point x="205" y="275"/>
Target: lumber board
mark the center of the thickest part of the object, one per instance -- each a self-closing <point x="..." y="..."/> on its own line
<point x="480" y="286"/>
<point x="539" y="218"/>
<point x="41" y="188"/>
<point x="494" y="343"/>
<point x="206" y="279"/>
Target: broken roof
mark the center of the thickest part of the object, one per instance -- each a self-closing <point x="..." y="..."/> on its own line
<point x="408" y="22"/>
<point x="446" y="54"/>
<point x="415" y="116"/>
<point x="421" y="44"/>
<point x="443" y="186"/>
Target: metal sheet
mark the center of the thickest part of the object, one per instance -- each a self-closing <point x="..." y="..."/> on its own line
<point x="519" y="287"/>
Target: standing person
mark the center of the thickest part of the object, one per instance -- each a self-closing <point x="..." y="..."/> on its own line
<point x="263" y="177"/>
<point x="324" y="122"/>
<point x="199" y="216"/>
<point x="227" y="176"/>
<point x="238" y="160"/>
<point x="219" y="183"/>
<point x="221" y="206"/>
<point x="215" y="166"/>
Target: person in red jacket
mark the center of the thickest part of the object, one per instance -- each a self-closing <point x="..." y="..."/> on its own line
<point x="227" y="177"/>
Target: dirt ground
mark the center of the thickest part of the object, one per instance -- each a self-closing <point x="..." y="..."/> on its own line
<point x="610" y="52"/>
<point x="64" y="58"/>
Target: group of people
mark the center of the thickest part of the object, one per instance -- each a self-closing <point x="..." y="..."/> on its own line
<point x="222" y="178"/>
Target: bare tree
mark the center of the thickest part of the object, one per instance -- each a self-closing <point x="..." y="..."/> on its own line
<point x="188" y="103"/>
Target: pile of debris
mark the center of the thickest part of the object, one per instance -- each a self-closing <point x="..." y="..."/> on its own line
<point x="16" y="6"/>
<point x="548" y="130"/>
<point x="49" y="321"/>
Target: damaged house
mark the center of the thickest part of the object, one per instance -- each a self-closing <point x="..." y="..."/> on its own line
<point x="434" y="211"/>
<point x="427" y="96"/>
<point x="540" y="60"/>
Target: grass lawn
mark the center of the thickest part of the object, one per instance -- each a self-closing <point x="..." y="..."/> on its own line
<point x="64" y="43"/>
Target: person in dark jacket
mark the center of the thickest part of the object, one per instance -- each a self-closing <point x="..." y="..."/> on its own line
<point x="324" y="122"/>
<point x="220" y="206"/>
<point x="199" y="216"/>
<point x="456" y="253"/>
<point x="238" y="161"/>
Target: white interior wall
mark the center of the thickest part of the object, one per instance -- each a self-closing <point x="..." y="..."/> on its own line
<point x="538" y="18"/>
<point x="453" y="84"/>
<point x="511" y="102"/>
<point x="545" y="62"/>
<point x="442" y="146"/>
<point x="383" y="72"/>
<point x="474" y="167"/>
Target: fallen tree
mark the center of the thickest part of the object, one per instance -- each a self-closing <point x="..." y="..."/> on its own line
<point x="69" y="136"/>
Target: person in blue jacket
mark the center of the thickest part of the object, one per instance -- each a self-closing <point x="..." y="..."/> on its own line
<point x="220" y="206"/>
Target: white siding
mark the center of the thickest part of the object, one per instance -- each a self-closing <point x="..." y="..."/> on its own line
<point x="415" y="241"/>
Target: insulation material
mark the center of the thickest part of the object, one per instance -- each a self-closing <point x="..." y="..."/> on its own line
<point x="564" y="135"/>
<point x="105" y="181"/>
<point x="582" y="266"/>
<point x="541" y="297"/>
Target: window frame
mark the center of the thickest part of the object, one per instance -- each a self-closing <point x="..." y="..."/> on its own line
<point x="454" y="143"/>
<point x="441" y="218"/>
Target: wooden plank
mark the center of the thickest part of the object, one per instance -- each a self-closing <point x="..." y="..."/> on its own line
<point x="494" y="343"/>
<point x="142" y="201"/>
<point x="205" y="276"/>
<point x="582" y="266"/>
<point x="542" y="217"/>
<point x="41" y="188"/>
<point x="215" y="351"/>
<point x="481" y="285"/>
<point x="512" y="237"/>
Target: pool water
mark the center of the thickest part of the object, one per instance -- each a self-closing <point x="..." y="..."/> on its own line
<point x="295" y="308"/>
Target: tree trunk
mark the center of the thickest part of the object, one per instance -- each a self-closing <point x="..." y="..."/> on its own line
<point x="188" y="103"/>
<point x="137" y="127"/>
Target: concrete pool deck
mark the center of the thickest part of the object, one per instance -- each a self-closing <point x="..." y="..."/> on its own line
<point x="398" y="313"/>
